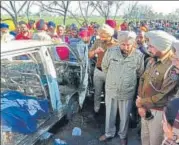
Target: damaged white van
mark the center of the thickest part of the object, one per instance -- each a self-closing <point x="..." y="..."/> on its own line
<point x="39" y="77"/>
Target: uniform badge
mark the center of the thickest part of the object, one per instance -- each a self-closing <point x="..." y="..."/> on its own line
<point x="174" y="76"/>
<point x="157" y="73"/>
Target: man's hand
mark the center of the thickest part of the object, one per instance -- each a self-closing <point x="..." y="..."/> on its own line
<point x="138" y="102"/>
<point x="142" y="112"/>
<point x="98" y="50"/>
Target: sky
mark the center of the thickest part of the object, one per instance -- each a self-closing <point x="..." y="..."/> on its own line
<point x="162" y="6"/>
<point x="158" y="6"/>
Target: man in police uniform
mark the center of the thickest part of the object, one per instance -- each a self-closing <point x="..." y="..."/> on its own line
<point x="99" y="48"/>
<point x="157" y="86"/>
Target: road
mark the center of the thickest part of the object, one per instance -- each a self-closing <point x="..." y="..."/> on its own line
<point x="92" y="128"/>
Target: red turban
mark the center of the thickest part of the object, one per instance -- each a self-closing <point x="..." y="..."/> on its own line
<point x="91" y="30"/>
<point x="84" y="33"/>
<point x="40" y="24"/>
<point x="111" y="23"/>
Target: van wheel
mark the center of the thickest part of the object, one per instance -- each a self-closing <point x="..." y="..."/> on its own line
<point x="73" y="107"/>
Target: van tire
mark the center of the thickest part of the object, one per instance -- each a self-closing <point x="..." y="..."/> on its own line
<point x="73" y="107"/>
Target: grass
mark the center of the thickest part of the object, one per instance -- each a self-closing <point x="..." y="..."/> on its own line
<point x="69" y="20"/>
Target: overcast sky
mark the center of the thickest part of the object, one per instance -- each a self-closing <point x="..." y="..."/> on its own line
<point x="162" y="6"/>
<point x="158" y="6"/>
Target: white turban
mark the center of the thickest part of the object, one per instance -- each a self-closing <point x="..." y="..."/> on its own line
<point x="106" y="29"/>
<point x="160" y="40"/>
<point x="126" y="36"/>
<point x="176" y="46"/>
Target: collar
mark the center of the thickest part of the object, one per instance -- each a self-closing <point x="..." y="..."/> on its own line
<point x="165" y="58"/>
<point x="162" y="60"/>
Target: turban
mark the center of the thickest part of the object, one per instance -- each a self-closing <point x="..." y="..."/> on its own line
<point x="96" y="26"/>
<point x="126" y="36"/>
<point x="40" y="24"/>
<point x="31" y="24"/>
<point x="82" y="29"/>
<point x="161" y="40"/>
<point x="22" y="22"/>
<point x="111" y="23"/>
<point x="176" y="46"/>
<point x="73" y="27"/>
<point x="91" y="30"/>
<point x="143" y="28"/>
<point x="4" y="25"/>
<point x="84" y="33"/>
<point x="106" y="29"/>
<point x="51" y="24"/>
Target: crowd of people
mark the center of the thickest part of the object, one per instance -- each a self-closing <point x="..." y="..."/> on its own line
<point x="139" y="66"/>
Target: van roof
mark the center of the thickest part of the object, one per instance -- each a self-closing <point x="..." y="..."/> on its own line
<point x="15" y="45"/>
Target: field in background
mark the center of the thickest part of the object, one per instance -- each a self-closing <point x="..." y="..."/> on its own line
<point x="69" y="20"/>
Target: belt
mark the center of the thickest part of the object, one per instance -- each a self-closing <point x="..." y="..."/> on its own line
<point x="99" y="68"/>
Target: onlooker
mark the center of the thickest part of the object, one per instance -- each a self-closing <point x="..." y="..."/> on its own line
<point x="122" y="65"/>
<point x="61" y="33"/>
<point x="99" y="48"/>
<point x="142" y="46"/>
<point x="85" y="36"/>
<point x="51" y="29"/>
<point x="24" y="34"/>
<point x="5" y="35"/>
<point x="124" y="26"/>
<point x="41" y="33"/>
<point x="171" y="123"/>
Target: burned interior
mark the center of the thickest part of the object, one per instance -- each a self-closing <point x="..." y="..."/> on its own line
<point x="26" y="76"/>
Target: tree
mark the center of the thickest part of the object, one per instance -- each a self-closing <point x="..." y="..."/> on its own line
<point x="58" y="7"/>
<point x="13" y="8"/>
<point x="131" y="10"/>
<point x="174" y="16"/>
<point x="86" y="9"/>
<point x="143" y="12"/>
<point x="27" y="11"/>
<point x="105" y="8"/>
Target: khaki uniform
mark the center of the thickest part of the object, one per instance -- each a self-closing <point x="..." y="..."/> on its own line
<point x="157" y="86"/>
<point x="99" y="75"/>
<point x="99" y="43"/>
<point x="121" y="83"/>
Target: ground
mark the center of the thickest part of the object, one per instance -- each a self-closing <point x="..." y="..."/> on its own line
<point x="92" y="128"/>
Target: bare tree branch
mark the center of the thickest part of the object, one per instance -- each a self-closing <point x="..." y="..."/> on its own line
<point x="50" y="8"/>
<point x="12" y="6"/>
<point x="11" y="9"/>
<point x="94" y="8"/>
<point x="22" y="6"/>
<point x="82" y="11"/>
<point x="131" y="8"/>
<point x="118" y="5"/>
<point x="7" y="11"/>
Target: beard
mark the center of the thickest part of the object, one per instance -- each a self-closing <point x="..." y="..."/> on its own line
<point x="125" y="53"/>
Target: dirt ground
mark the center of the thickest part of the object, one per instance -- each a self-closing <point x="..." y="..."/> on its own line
<point x="92" y="128"/>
